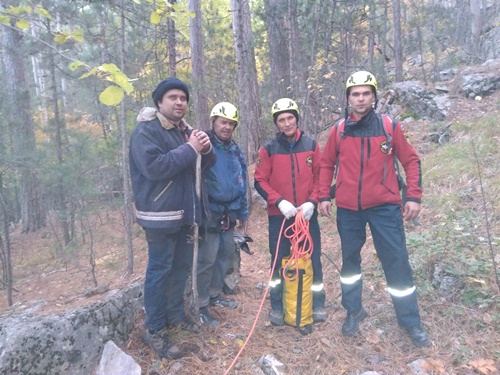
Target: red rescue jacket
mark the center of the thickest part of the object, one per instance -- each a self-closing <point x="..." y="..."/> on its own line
<point x="366" y="175"/>
<point x="288" y="172"/>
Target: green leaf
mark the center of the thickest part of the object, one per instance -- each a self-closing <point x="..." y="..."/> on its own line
<point x="113" y="95"/>
<point x="192" y="14"/>
<point x="75" y="64"/>
<point x="22" y="24"/>
<point x="155" y="18"/>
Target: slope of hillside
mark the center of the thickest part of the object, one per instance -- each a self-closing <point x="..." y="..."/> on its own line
<point x="452" y="243"/>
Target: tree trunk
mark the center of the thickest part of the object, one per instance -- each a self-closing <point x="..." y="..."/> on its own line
<point x="371" y="35"/>
<point x="398" y="48"/>
<point x="279" y="54"/>
<point x="21" y="125"/>
<point x="248" y="89"/>
<point x="5" y="250"/>
<point x="293" y="39"/>
<point x="172" y="42"/>
<point x="127" y="191"/>
<point x="198" y="67"/>
<point x="65" y="217"/>
<point x="475" y="27"/>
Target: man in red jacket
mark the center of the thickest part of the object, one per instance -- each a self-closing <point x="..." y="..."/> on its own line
<point x="286" y="176"/>
<point x="360" y="153"/>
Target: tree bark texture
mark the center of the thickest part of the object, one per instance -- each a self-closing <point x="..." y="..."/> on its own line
<point x="248" y="89"/>
<point x="125" y="171"/>
<point x="22" y="127"/>
<point x="279" y="53"/>
<point x="398" y="48"/>
<point x="172" y="42"/>
<point x="198" y="86"/>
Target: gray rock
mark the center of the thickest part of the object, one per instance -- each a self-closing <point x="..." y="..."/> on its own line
<point x="420" y="100"/>
<point x="115" y="362"/>
<point x="481" y="80"/>
<point x="69" y="342"/>
<point x="271" y="366"/>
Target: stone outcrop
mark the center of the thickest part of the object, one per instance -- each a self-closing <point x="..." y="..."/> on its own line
<point x="481" y="80"/>
<point x="70" y="342"/>
<point x="424" y="102"/>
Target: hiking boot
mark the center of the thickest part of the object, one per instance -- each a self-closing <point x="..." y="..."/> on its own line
<point x="276" y="318"/>
<point x="351" y="323"/>
<point x="419" y="336"/>
<point x="186" y="324"/>
<point x="220" y="300"/>
<point x="319" y="314"/>
<point x="206" y="319"/>
<point x="160" y="343"/>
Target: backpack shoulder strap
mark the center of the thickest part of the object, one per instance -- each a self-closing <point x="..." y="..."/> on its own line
<point x="339" y="134"/>
<point x="389" y="127"/>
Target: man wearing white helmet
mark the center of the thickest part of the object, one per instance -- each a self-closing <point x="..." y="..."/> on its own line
<point x="360" y="153"/>
<point x="287" y="177"/>
<point x="226" y="184"/>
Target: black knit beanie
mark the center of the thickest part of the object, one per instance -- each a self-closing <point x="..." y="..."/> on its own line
<point x="292" y="111"/>
<point x="169" y="84"/>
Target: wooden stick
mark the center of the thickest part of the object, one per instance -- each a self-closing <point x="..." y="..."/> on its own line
<point x="194" y="273"/>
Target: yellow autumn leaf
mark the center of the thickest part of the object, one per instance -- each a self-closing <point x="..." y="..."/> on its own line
<point x="4" y="19"/>
<point x="60" y="38"/>
<point x="224" y="343"/>
<point x="77" y="36"/>
<point x="155" y="18"/>
<point x="43" y="12"/>
<point x="479" y="281"/>
<point x="22" y="24"/>
<point x="113" y="95"/>
<point x="212" y="341"/>
<point x="240" y="342"/>
<point x="74" y="65"/>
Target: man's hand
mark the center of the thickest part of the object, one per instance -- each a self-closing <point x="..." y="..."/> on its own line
<point x="307" y="209"/>
<point x="199" y="140"/>
<point x="325" y="208"/>
<point x="411" y="210"/>
<point x="287" y="209"/>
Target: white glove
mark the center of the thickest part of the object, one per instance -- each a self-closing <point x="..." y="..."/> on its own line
<point x="307" y="209"/>
<point x="287" y="209"/>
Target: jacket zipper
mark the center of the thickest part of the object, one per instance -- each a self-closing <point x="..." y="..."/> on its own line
<point x="293" y="178"/>
<point x="360" y="186"/>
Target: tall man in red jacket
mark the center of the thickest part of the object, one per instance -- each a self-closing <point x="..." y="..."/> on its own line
<point x="359" y="152"/>
<point x="287" y="176"/>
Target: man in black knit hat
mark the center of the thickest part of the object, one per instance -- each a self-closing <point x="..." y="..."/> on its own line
<point x="163" y="153"/>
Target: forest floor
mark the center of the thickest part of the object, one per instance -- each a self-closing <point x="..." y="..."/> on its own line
<point x="464" y="328"/>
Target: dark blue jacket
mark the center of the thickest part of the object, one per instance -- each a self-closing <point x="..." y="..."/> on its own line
<point x="226" y="181"/>
<point x="162" y="171"/>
